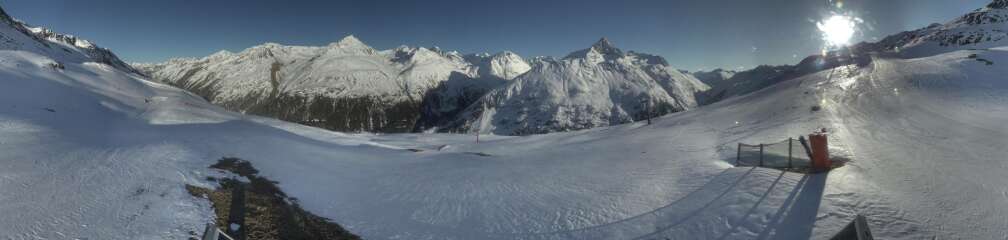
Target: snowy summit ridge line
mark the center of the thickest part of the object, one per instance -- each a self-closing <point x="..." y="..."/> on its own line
<point x="349" y="86"/>
<point x="598" y="86"/>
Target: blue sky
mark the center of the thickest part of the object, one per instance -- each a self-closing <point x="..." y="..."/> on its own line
<point x="692" y="35"/>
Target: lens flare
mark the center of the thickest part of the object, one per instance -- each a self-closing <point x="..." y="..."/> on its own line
<point x="837" y="30"/>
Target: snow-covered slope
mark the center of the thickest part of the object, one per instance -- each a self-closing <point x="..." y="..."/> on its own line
<point x="71" y="168"/>
<point x="924" y="138"/>
<point x="714" y="77"/>
<point x="346" y="86"/>
<point x="505" y="65"/>
<point x="597" y="86"/>
<point x="443" y="105"/>
<point x="724" y="85"/>
<point x="92" y="152"/>
<point x="347" y="68"/>
<point x="66" y="47"/>
<point x="983" y="28"/>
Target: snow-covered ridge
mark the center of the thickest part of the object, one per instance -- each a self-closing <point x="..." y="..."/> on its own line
<point x="344" y="68"/>
<point x="347" y="74"/>
<point x="982" y="28"/>
<point x="598" y="86"/>
<point x="714" y="77"/>
<point x="503" y="65"/>
<point x="442" y="106"/>
<point x="68" y="46"/>
<point x="435" y="83"/>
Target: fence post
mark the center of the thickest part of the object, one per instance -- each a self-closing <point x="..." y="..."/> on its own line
<point x="237" y="214"/>
<point x="789" y="142"/>
<point x="760" y="154"/>
<point x="738" y="155"/>
<point x="210" y="232"/>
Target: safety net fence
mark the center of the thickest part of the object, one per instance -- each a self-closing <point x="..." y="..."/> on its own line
<point x="789" y="153"/>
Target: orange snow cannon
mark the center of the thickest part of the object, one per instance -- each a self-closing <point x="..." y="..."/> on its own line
<point x="820" y="151"/>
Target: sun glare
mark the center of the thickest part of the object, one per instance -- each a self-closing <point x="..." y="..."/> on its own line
<point x="837" y="30"/>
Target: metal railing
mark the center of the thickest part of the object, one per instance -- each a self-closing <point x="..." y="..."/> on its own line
<point x="784" y="154"/>
<point x="211" y="232"/>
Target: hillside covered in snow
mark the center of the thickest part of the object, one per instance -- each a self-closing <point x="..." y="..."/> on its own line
<point x="349" y="86"/>
<point x="345" y="86"/>
<point x="90" y="150"/>
<point x="982" y="28"/>
<point x="598" y="86"/>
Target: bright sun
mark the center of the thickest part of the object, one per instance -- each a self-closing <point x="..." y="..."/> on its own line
<point x="837" y="30"/>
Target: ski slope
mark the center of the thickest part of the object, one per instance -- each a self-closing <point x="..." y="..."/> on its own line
<point x="91" y="152"/>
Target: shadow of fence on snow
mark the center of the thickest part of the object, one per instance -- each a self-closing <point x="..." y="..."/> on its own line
<point x="704" y="210"/>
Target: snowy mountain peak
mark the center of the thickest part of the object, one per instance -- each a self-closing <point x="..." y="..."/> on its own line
<point x="507" y="54"/>
<point x="504" y="65"/>
<point x="349" y="41"/>
<point x="601" y="51"/>
<point x="604" y="46"/>
<point x="4" y="17"/>
<point x="998" y="4"/>
<point x="222" y="53"/>
<point x="598" y="86"/>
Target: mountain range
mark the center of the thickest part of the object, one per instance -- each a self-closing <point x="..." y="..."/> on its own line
<point x="350" y="86"/>
<point x="598" y="86"/>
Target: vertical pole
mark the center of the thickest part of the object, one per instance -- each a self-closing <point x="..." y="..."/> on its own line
<point x="808" y="151"/>
<point x="760" y="154"/>
<point x="650" y="113"/>
<point x="738" y="156"/>
<point x="210" y="232"/>
<point x="237" y="214"/>
<point x="790" y="141"/>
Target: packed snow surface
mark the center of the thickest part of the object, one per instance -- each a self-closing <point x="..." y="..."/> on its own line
<point x="91" y="152"/>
